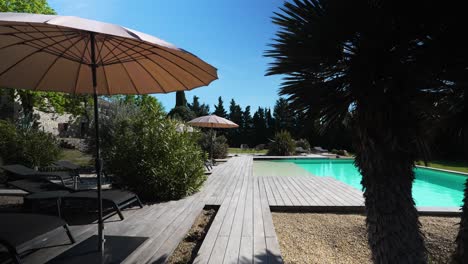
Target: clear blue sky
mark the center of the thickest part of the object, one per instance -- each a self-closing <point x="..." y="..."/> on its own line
<point x="229" y="34"/>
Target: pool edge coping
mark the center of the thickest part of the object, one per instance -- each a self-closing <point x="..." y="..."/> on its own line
<point x="422" y="210"/>
<point x="443" y="170"/>
<point x="359" y="209"/>
<point x="332" y="158"/>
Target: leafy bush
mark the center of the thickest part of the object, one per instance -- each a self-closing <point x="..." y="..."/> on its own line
<point x="304" y="144"/>
<point x="8" y="142"/>
<point x="143" y="149"/>
<point x="340" y="152"/>
<point x="27" y="146"/>
<point x="260" y="147"/>
<point x="182" y="113"/>
<point x="220" y="146"/>
<point x="282" y="145"/>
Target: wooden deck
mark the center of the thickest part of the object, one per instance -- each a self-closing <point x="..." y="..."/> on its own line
<point x="242" y="231"/>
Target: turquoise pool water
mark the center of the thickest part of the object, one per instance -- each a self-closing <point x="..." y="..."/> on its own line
<point x="431" y="187"/>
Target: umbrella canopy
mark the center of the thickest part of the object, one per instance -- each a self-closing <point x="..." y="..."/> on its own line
<point x="212" y="121"/>
<point x="81" y="56"/>
<point x="54" y="53"/>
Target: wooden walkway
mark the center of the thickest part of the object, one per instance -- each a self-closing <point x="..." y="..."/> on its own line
<point x="242" y="231"/>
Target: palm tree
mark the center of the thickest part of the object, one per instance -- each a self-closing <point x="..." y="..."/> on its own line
<point x="450" y="61"/>
<point x="456" y="121"/>
<point x="362" y="58"/>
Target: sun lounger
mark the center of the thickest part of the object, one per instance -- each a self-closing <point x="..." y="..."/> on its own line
<point x="17" y="171"/>
<point x="320" y="149"/>
<point x="18" y="229"/>
<point x="208" y="165"/>
<point x="36" y="185"/>
<point x="67" y="165"/>
<point x="43" y="190"/>
<point x="117" y="199"/>
<point x="78" y="169"/>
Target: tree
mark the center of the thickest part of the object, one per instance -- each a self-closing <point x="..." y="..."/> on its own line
<point x="181" y="113"/>
<point x="235" y="115"/>
<point x="180" y="99"/>
<point x="219" y="109"/>
<point x="247" y="118"/>
<point x="259" y="127"/>
<point x="181" y="110"/>
<point x="284" y="116"/>
<point x="362" y="58"/>
<point x="246" y="127"/>
<point x="30" y="99"/>
<point x="449" y="61"/>
<point x="199" y="109"/>
<point x="270" y="124"/>
<point x="455" y="126"/>
<point x="26" y="6"/>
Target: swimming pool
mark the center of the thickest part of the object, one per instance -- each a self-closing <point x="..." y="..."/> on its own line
<point x="430" y="188"/>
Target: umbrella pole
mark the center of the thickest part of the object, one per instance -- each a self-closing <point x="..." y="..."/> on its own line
<point x="211" y="146"/>
<point x="101" y="239"/>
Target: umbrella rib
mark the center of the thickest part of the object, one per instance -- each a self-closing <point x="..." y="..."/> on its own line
<point x="44" y="49"/>
<point x="104" y="68"/>
<point x="152" y="77"/>
<point x="160" y="48"/>
<point x="89" y="52"/>
<point x="25" y="42"/>
<point x="129" y="76"/>
<point x="110" y="50"/>
<point x="186" y="88"/>
<point x="22" y="59"/>
<point x="107" y="80"/>
<point x="80" y="64"/>
<point x="100" y="49"/>
<point x="159" y="55"/>
<point x="18" y="32"/>
<point x="74" y="44"/>
<point x="129" y="56"/>
<point x="53" y="63"/>
<point x="49" y="46"/>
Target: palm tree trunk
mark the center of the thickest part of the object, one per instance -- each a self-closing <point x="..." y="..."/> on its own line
<point x="461" y="252"/>
<point x="384" y="156"/>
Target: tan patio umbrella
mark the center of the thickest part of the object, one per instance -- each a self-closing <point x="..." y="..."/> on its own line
<point x="81" y="56"/>
<point x="212" y="121"/>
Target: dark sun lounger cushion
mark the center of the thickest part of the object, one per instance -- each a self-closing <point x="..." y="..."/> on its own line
<point x="16" y="229"/>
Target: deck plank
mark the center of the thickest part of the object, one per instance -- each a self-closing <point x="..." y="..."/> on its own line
<point x="242" y="230"/>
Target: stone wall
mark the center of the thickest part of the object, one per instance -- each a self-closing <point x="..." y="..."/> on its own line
<point x="50" y="122"/>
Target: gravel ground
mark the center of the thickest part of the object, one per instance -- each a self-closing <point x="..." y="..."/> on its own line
<point x="187" y="250"/>
<point x="10" y="202"/>
<point x="341" y="238"/>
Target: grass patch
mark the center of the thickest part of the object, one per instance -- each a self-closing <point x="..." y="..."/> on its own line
<point x="246" y="151"/>
<point x="461" y="166"/>
<point x="76" y="156"/>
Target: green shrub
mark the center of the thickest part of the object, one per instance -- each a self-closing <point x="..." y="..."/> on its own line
<point x="145" y="152"/>
<point x="282" y="145"/>
<point x="39" y="148"/>
<point x="27" y="146"/>
<point x="304" y="144"/>
<point x="8" y="142"/>
<point x="182" y="113"/>
<point x="220" y="146"/>
<point x="340" y="152"/>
